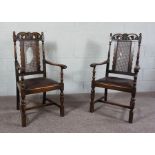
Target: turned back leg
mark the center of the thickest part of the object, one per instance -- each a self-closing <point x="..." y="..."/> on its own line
<point x="44" y="97"/>
<point x="17" y="99"/>
<point x="105" y="94"/>
<point x="132" y="105"/>
<point x="92" y="99"/>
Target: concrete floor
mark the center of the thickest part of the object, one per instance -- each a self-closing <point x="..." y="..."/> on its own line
<point x="106" y="118"/>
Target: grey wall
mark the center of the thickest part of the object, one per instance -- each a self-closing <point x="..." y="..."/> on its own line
<point x="77" y="45"/>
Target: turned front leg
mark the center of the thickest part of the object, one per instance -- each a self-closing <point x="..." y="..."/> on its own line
<point x="44" y="97"/>
<point x="61" y="103"/>
<point x="132" y="105"/>
<point x="17" y="99"/>
<point x="62" y="95"/>
<point x="92" y="91"/>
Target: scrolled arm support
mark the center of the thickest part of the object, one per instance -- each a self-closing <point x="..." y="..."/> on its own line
<point x="94" y="73"/>
<point x="94" y="68"/>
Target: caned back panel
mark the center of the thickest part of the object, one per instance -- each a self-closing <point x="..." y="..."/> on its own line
<point x="30" y="52"/>
<point x="30" y="56"/>
<point x="123" y="53"/>
<point x="123" y="56"/>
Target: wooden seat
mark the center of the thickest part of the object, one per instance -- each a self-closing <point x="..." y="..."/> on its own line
<point x="115" y="83"/>
<point x="125" y="52"/>
<point x="33" y="62"/>
<point x="41" y="84"/>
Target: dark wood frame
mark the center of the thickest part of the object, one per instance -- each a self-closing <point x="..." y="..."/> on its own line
<point x="117" y="37"/>
<point x="19" y="71"/>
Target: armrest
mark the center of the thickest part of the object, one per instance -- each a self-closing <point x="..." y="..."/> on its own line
<point x="136" y="69"/>
<point x="96" y="64"/>
<point x="54" y="64"/>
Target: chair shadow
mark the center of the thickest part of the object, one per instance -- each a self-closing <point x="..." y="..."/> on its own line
<point x="107" y="108"/>
<point x="74" y="102"/>
<point x="124" y="113"/>
<point x="140" y="117"/>
<point x="38" y="113"/>
<point x="121" y="111"/>
<point x="51" y="49"/>
<point x="92" y="48"/>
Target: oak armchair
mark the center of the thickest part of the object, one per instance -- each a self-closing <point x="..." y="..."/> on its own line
<point x="32" y="47"/>
<point x="126" y="51"/>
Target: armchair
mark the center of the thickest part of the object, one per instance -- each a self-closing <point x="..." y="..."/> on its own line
<point x="123" y="56"/>
<point x="29" y="44"/>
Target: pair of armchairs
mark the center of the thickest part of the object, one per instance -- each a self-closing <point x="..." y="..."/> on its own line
<point x="122" y="61"/>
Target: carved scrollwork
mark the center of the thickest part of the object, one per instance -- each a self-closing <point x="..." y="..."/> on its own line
<point x="28" y="36"/>
<point x="126" y="36"/>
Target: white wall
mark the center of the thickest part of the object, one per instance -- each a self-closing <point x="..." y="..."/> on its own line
<point x="77" y="45"/>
